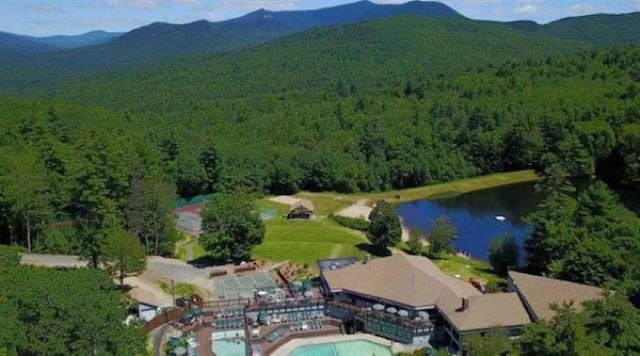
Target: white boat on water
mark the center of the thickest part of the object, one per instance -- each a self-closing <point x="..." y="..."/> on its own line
<point x="500" y="218"/>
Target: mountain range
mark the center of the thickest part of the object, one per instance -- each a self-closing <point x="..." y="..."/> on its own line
<point x="158" y="41"/>
<point x="22" y="44"/>
<point x="30" y="63"/>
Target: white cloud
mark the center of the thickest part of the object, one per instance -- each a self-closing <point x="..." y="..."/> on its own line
<point x="581" y="8"/>
<point x="48" y="8"/>
<point x="526" y="9"/>
<point x="251" y="5"/>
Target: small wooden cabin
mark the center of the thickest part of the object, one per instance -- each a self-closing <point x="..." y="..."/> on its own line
<point x="302" y="209"/>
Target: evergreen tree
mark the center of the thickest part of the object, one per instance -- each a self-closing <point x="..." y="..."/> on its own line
<point x="504" y="253"/>
<point x="384" y="227"/>
<point x="441" y="235"/>
<point x="415" y="241"/>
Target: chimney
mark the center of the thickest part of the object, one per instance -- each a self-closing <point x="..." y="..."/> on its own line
<point x="465" y="304"/>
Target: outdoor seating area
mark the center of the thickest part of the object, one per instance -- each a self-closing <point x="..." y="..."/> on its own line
<point x="228" y="324"/>
<point x="294" y="316"/>
<point x="276" y="334"/>
<point x="194" y="316"/>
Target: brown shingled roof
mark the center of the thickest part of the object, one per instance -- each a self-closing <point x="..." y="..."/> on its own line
<point x="410" y="280"/>
<point x="540" y="292"/>
<point x="486" y="311"/>
<point x="417" y="282"/>
<point x="303" y="203"/>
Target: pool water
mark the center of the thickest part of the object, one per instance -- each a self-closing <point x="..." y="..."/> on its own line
<point x="227" y="343"/>
<point x="345" y="348"/>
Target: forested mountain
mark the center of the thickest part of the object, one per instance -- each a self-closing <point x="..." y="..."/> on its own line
<point x="162" y="40"/>
<point x="75" y="41"/>
<point x="389" y="103"/>
<point x="600" y="30"/>
<point x="364" y="56"/>
<point x="11" y="44"/>
<point x="22" y="44"/>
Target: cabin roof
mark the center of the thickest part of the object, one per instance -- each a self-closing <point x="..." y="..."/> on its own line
<point x="302" y="204"/>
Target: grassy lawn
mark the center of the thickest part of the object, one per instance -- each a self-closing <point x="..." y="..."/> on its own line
<point x="479" y="270"/>
<point x="326" y="203"/>
<point x="453" y="188"/>
<point x="307" y="241"/>
<point x="466" y="268"/>
<point x="198" y="251"/>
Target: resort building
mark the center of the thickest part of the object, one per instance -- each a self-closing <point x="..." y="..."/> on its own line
<point x="539" y="293"/>
<point x="401" y="298"/>
<point x="410" y="300"/>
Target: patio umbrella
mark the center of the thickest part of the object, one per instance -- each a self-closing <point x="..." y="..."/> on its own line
<point x="424" y="315"/>
<point x="308" y="294"/>
<point x="176" y="334"/>
<point x="180" y="351"/>
<point x="392" y="310"/>
<point x="378" y="307"/>
<point x="403" y="313"/>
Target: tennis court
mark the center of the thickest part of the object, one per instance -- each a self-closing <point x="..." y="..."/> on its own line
<point x="235" y="287"/>
<point x="189" y="219"/>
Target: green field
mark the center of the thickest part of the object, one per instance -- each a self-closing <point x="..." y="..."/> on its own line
<point x="307" y="241"/>
<point x="304" y="242"/>
<point x="332" y="202"/>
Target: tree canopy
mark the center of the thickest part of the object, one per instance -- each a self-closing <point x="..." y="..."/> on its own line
<point x="64" y="311"/>
<point x="441" y="235"/>
<point x="384" y="227"/>
<point x="231" y="227"/>
<point x="504" y="253"/>
<point x="123" y="255"/>
<point x="588" y="237"/>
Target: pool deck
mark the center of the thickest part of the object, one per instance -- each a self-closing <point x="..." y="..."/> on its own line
<point x="287" y="348"/>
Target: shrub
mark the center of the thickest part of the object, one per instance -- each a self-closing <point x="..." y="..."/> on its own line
<point x="351" y="223"/>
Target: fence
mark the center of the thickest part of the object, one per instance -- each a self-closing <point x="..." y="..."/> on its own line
<point x="173" y="314"/>
<point x="199" y="199"/>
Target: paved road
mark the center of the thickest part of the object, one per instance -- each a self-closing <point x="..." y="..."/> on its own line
<point x="169" y="268"/>
<point x="52" y="260"/>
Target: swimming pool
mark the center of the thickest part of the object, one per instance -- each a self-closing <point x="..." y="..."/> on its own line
<point x="228" y="343"/>
<point x="343" y="348"/>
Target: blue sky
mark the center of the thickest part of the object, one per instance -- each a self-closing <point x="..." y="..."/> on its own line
<point x="47" y="17"/>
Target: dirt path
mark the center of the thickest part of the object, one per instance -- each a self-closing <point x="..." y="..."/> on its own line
<point x="359" y="210"/>
<point x="285" y="199"/>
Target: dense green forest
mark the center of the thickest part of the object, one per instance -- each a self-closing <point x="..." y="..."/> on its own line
<point x="435" y="102"/>
<point x="372" y="106"/>
<point x="62" y="311"/>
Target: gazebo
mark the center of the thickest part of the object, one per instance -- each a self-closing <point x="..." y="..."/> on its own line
<point x="302" y="209"/>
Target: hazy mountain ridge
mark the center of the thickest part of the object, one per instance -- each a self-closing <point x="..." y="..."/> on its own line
<point x="159" y="41"/>
<point x="600" y="29"/>
<point x="75" y="41"/>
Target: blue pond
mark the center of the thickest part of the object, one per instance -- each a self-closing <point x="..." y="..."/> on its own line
<point x="474" y="214"/>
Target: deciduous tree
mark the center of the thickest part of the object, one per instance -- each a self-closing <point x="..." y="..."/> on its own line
<point x="231" y="227"/>
<point x="122" y="254"/>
